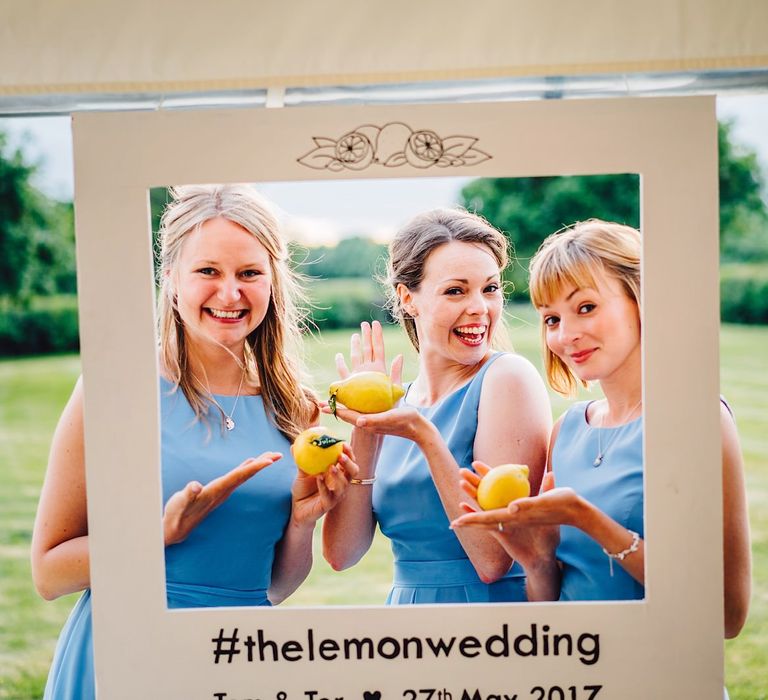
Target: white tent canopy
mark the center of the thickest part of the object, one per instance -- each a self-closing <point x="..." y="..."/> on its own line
<point x="100" y="46"/>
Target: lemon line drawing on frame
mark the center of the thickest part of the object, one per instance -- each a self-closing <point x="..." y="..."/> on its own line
<point x="392" y="145"/>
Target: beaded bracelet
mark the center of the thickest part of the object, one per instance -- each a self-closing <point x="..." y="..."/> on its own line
<point x="362" y="482"/>
<point x="621" y="556"/>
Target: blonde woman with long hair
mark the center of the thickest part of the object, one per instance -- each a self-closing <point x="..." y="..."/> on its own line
<point x="238" y="516"/>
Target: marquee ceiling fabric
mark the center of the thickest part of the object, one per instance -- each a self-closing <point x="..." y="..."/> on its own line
<point x="103" y="46"/>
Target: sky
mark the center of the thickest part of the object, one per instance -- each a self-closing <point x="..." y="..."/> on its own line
<point x="322" y="212"/>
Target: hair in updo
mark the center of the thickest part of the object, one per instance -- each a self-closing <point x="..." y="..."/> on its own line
<point x="272" y="357"/>
<point x="414" y="243"/>
<point x="573" y="257"/>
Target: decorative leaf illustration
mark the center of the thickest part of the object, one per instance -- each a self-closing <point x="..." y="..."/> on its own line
<point x="319" y="158"/>
<point x="474" y="156"/>
<point x="395" y="160"/>
<point x="458" y="145"/>
<point x="323" y="141"/>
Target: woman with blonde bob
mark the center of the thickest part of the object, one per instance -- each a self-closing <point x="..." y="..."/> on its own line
<point x="237" y="527"/>
<point x="585" y="285"/>
<point x="445" y="283"/>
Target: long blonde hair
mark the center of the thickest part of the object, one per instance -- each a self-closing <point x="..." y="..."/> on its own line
<point x="572" y="258"/>
<point x="272" y="350"/>
<point x="415" y="242"/>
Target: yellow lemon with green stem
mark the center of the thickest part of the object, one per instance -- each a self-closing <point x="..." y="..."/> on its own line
<point x="315" y="450"/>
<point x="502" y="485"/>
<point x="365" y="392"/>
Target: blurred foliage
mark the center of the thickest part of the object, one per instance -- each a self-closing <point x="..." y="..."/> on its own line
<point x="344" y="302"/>
<point x="528" y="209"/>
<point x="743" y="210"/>
<point x="744" y="293"/>
<point x="37" y="253"/>
<point x="46" y="325"/>
<point x="351" y="257"/>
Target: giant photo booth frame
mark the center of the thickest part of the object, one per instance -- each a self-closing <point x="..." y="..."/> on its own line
<point x="668" y="645"/>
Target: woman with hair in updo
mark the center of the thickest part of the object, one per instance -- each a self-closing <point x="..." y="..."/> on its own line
<point x="468" y="401"/>
<point x="238" y="516"/>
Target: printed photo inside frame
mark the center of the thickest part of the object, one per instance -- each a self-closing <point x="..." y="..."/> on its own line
<point x="576" y="650"/>
<point x="345" y="284"/>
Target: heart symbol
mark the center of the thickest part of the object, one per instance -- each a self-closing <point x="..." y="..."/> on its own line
<point x="376" y="695"/>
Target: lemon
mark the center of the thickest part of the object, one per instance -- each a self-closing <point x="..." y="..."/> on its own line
<point x="502" y="485"/>
<point x="365" y="392"/>
<point x="315" y="450"/>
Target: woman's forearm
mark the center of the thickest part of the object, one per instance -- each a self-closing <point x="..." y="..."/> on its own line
<point x="349" y="527"/>
<point x="62" y="569"/>
<point x="293" y="560"/>
<point x="611" y="536"/>
<point x="542" y="580"/>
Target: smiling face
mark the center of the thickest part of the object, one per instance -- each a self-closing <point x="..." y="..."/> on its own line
<point x="223" y="283"/>
<point x="458" y="303"/>
<point x="594" y="330"/>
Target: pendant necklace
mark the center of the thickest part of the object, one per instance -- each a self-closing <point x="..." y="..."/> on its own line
<point x="602" y="452"/>
<point x="228" y="420"/>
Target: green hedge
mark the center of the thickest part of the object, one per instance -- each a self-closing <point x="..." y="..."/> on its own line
<point x="744" y="293"/>
<point x="41" y="329"/>
<point x="345" y="302"/>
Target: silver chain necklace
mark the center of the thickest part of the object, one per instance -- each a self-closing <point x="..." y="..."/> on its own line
<point x="228" y="420"/>
<point x="602" y="452"/>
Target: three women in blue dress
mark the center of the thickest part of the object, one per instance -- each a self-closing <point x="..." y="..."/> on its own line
<point x="237" y="527"/>
<point x="227" y="317"/>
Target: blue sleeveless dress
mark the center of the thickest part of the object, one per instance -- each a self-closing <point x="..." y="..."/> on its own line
<point x="227" y="559"/>
<point x="430" y="563"/>
<point x="615" y="487"/>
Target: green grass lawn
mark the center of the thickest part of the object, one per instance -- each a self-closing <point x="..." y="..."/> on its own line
<point x="33" y="392"/>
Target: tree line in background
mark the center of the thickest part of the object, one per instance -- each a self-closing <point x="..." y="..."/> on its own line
<point x="38" y="306"/>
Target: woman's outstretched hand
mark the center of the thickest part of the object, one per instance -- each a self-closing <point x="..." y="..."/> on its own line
<point x="404" y="421"/>
<point x="314" y="496"/>
<point x="527" y="528"/>
<point x="366" y="354"/>
<point x="187" y="508"/>
<point x="553" y="506"/>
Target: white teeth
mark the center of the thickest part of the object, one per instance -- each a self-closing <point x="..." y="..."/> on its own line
<point x="217" y="313"/>
<point x="471" y="330"/>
